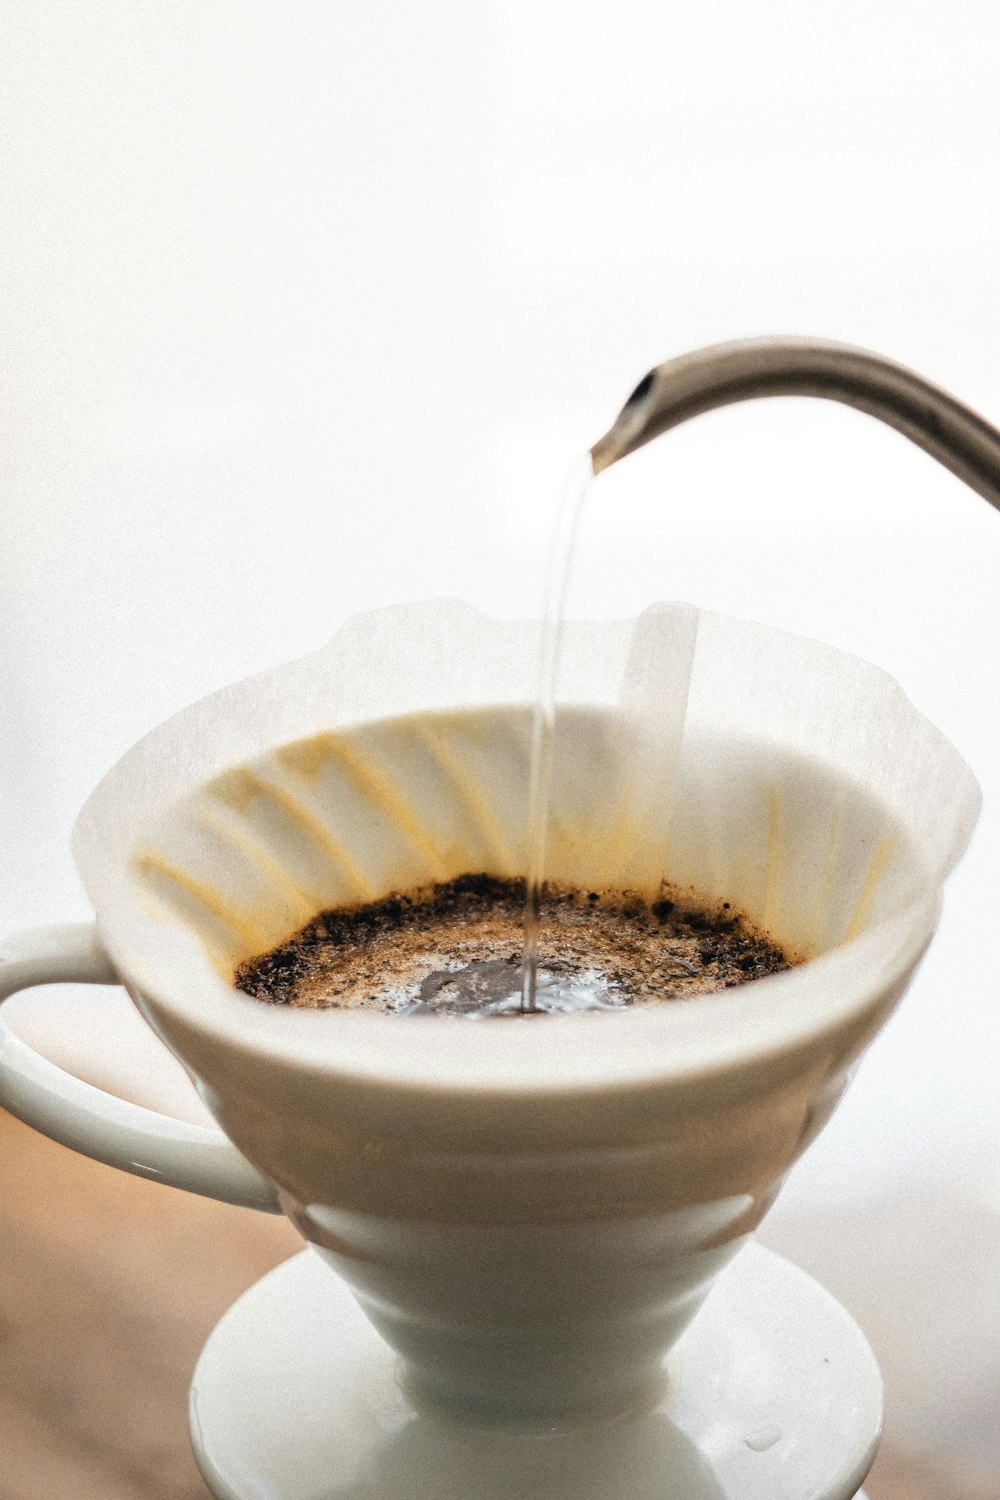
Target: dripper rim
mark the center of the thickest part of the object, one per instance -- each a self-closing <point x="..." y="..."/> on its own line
<point x="667" y="1041"/>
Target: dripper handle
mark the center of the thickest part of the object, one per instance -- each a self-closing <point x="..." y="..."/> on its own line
<point x="742" y="371"/>
<point x="199" y="1158"/>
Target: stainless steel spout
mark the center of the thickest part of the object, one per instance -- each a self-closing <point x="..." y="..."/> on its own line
<point x="724" y="373"/>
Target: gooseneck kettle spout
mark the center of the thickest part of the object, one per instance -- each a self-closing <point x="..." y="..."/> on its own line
<point x="725" y="373"/>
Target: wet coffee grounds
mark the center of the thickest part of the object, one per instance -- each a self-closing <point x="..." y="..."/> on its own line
<point x="456" y="949"/>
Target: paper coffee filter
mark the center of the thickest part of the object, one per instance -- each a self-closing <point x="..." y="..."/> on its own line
<point x="747" y="764"/>
<point x="842" y="806"/>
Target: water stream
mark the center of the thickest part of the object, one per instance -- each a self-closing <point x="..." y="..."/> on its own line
<point x="557" y="576"/>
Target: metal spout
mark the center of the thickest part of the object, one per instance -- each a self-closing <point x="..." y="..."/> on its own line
<point x="724" y="373"/>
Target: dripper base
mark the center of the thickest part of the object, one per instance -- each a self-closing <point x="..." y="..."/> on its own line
<point x="773" y="1390"/>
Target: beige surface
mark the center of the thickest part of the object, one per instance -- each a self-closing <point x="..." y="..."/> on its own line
<point x="110" y="1286"/>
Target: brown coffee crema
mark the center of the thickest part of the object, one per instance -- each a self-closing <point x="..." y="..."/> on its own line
<point x="456" y="949"/>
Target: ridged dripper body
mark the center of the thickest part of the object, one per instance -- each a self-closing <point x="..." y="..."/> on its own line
<point x="530" y="1212"/>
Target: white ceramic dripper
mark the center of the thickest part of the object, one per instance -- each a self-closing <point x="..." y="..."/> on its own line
<point x="530" y="1216"/>
<point x="530" y="1213"/>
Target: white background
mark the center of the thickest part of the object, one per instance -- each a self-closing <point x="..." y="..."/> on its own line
<point x="308" y="308"/>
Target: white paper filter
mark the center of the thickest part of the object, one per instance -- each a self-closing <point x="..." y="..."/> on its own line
<point x="753" y="766"/>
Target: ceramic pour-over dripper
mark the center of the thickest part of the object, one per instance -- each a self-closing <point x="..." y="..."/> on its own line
<point x="529" y="1212"/>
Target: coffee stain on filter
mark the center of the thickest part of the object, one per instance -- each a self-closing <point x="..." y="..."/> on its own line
<point x="653" y="702"/>
<point x="243" y="840"/>
<point x="881" y="859"/>
<point x="466" y="785"/>
<point x="308" y="757"/>
<point x="222" y="930"/>
<point x="380" y="792"/>
<point x="280" y="819"/>
<point x="826" y="885"/>
<point x="776" y="869"/>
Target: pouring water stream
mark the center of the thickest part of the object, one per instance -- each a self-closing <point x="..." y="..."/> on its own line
<point x="682" y="388"/>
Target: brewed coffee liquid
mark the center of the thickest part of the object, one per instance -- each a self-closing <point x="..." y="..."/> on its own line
<point x="456" y="949"/>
